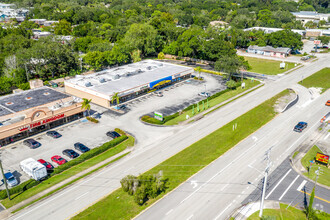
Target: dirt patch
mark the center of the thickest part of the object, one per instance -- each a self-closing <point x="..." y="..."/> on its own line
<point x="284" y="100"/>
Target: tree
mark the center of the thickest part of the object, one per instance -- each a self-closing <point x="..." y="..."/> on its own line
<point x="310" y="205"/>
<point x="136" y="55"/>
<point x="231" y="84"/>
<point x="310" y="24"/>
<point x="230" y="65"/>
<point x="95" y="59"/>
<point x="86" y="105"/>
<point x="29" y="25"/>
<point x="63" y="27"/>
<point x="324" y="39"/>
<point x="116" y="97"/>
<point x="161" y="56"/>
<point x="198" y="69"/>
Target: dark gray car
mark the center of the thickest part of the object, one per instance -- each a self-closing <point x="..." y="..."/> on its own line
<point x="31" y="143"/>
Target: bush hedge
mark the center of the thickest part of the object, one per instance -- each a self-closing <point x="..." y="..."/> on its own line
<point x="83" y="157"/>
<point x="152" y="120"/>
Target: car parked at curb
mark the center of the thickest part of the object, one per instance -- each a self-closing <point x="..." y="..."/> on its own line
<point x="31" y="143"/>
<point x="58" y="160"/>
<point x="113" y="134"/>
<point x="49" y="166"/>
<point x="300" y="126"/>
<point x="70" y="153"/>
<point x="53" y="134"/>
<point x="11" y="180"/>
<point x="80" y="147"/>
<point x="205" y="94"/>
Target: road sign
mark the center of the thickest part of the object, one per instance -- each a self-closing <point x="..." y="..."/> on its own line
<point x="317" y="42"/>
<point x="158" y="116"/>
<point x="322" y="158"/>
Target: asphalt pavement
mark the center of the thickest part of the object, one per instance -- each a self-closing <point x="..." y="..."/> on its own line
<point x="231" y="174"/>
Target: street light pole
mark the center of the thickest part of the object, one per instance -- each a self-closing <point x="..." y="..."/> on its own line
<point x="4" y="180"/>
<point x="265" y="182"/>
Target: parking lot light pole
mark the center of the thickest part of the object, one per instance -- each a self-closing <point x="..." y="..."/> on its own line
<point x="4" y="180"/>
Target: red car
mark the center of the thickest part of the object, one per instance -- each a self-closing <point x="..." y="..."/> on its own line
<point x="48" y="165"/>
<point x="58" y="159"/>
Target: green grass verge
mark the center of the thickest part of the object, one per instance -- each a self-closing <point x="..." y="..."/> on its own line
<point x="178" y="168"/>
<point x="71" y="182"/>
<point x="17" y="198"/>
<point x="324" y="176"/>
<point x="319" y="79"/>
<point x="268" y="67"/>
<point x="282" y="213"/>
<point x="295" y="154"/>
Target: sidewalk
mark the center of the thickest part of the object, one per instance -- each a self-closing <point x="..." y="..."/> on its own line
<point x="245" y="211"/>
<point x="201" y="114"/>
<point x="6" y="213"/>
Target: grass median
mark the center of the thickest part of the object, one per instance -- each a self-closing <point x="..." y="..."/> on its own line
<point x="320" y="79"/>
<point x="19" y="197"/>
<point x="268" y="67"/>
<point x="324" y="176"/>
<point x="178" y="168"/>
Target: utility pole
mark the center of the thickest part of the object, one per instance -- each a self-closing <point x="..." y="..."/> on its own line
<point x="4" y="179"/>
<point x="269" y="163"/>
<point x="317" y="176"/>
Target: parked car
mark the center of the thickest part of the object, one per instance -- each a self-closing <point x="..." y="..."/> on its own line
<point x="160" y="94"/>
<point x="300" y="126"/>
<point x="327" y="103"/>
<point x="205" y="94"/>
<point x="33" y="169"/>
<point x="80" y="147"/>
<point x="53" y="134"/>
<point x="325" y="47"/>
<point x="304" y="58"/>
<point x="31" y="143"/>
<point x="58" y="159"/>
<point x="70" y="153"/>
<point x="11" y="180"/>
<point x="49" y="166"/>
<point x="112" y="134"/>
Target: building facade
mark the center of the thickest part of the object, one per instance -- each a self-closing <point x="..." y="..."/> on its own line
<point x="269" y="51"/>
<point x="30" y="112"/>
<point x="127" y="82"/>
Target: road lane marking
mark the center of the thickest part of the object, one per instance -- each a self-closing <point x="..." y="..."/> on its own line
<point x="167" y="213"/>
<point x="316" y="197"/>
<point x="302" y="185"/>
<point x="190" y="217"/>
<point x="223" y="211"/>
<point x="278" y="183"/>
<point x="194" y="183"/>
<point x="326" y="137"/>
<point x="289" y="187"/>
<point x="81" y="195"/>
<point x="224" y="187"/>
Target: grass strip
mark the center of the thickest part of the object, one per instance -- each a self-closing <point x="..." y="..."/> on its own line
<point x="320" y="79"/>
<point x="178" y="168"/>
<point x="268" y="67"/>
<point x="324" y="176"/>
<point x="19" y="197"/>
<point x="71" y="182"/>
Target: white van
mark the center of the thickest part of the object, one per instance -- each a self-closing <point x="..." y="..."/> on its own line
<point x="34" y="169"/>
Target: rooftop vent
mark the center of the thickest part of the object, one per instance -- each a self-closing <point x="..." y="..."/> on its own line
<point x="102" y="80"/>
<point x="148" y="67"/>
<point x="116" y="76"/>
<point x="160" y="64"/>
<point x="46" y="93"/>
<point x="28" y="98"/>
<point x="9" y="103"/>
<point x="88" y="84"/>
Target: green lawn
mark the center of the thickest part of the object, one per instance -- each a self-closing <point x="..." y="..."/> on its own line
<point x="319" y="79"/>
<point x="268" y="67"/>
<point x="17" y="198"/>
<point x="178" y="168"/>
<point x="324" y="177"/>
<point x="248" y="85"/>
<point x="282" y="213"/>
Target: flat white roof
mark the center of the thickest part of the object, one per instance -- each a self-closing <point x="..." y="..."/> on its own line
<point x="127" y="77"/>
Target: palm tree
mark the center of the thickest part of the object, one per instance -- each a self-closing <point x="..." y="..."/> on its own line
<point x="114" y="97"/>
<point x="198" y="69"/>
<point x="86" y="105"/>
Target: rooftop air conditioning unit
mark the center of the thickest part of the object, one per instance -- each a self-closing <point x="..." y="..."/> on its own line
<point x="88" y="84"/>
<point x="116" y="76"/>
<point x="148" y="67"/>
<point x="102" y="80"/>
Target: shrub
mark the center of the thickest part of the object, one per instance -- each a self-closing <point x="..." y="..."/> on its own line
<point x="92" y="119"/>
<point x="20" y="188"/>
<point x="119" y="131"/>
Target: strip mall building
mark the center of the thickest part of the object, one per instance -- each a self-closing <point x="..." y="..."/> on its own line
<point x="128" y="81"/>
<point x="30" y="112"/>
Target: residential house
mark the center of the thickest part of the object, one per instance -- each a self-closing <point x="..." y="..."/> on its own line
<point x="269" y="51"/>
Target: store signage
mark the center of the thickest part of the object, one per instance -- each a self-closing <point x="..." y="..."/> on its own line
<point x="322" y="158"/>
<point x="177" y="75"/>
<point x="160" y="82"/>
<point x="36" y="124"/>
<point x="317" y="42"/>
<point x="158" y="116"/>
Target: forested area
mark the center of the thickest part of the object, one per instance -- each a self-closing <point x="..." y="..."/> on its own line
<point x="114" y="32"/>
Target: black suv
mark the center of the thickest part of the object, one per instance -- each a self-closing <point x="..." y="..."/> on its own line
<point x="31" y="143"/>
<point x="53" y="134"/>
<point x="70" y="153"/>
<point x="80" y="147"/>
<point x="113" y="134"/>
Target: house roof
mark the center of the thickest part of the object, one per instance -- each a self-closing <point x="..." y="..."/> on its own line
<point x="270" y="49"/>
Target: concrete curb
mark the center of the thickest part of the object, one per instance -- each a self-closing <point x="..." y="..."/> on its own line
<point x="292" y="103"/>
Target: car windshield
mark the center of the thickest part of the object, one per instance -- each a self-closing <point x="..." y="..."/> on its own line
<point x="60" y="159"/>
<point x="11" y="179"/>
<point x="34" y="142"/>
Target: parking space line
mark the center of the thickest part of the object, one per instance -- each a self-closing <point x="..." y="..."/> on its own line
<point x="278" y="183"/>
<point x="287" y="189"/>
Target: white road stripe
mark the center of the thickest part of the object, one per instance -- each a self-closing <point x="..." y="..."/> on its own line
<point x="223" y="211"/>
<point x="326" y="137"/>
<point x="190" y="217"/>
<point x="287" y="189"/>
<point x="169" y="212"/>
<point x="302" y="185"/>
<point x="82" y="195"/>
<point x="278" y="184"/>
